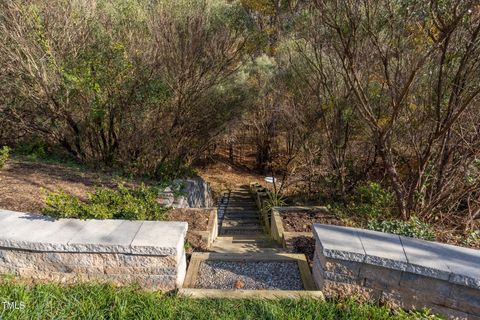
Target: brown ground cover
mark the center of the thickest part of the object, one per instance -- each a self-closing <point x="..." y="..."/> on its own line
<point x="197" y="221"/>
<point x="24" y="183"/>
<point x="302" y="244"/>
<point x="302" y="220"/>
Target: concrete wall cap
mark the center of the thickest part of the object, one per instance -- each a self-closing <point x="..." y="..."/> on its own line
<point x="455" y="264"/>
<point x="39" y="233"/>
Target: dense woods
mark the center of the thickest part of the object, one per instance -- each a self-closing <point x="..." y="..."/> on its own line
<point x="338" y="100"/>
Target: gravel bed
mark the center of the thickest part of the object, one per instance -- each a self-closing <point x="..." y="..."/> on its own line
<point x="249" y="275"/>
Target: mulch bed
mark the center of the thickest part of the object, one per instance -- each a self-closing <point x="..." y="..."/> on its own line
<point x="196" y="244"/>
<point x="197" y="221"/>
<point x="302" y="220"/>
<point x="302" y="244"/>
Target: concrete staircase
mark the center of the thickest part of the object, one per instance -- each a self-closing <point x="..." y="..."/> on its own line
<point x="244" y="262"/>
<point x="244" y="244"/>
<point x="240" y="228"/>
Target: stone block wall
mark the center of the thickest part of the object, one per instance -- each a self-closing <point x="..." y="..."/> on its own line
<point x="150" y="253"/>
<point x="340" y="272"/>
<point x="152" y="272"/>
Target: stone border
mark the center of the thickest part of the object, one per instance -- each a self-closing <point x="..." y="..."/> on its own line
<point x="198" y="258"/>
<point x="211" y="233"/>
<point x="277" y="230"/>
<point x="40" y="233"/>
<point x="151" y="253"/>
<point x="400" y="271"/>
<point x="454" y="264"/>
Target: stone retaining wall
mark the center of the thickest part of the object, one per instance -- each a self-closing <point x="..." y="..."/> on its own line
<point x="400" y="271"/>
<point x="194" y="193"/>
<point x="150" y="253"/>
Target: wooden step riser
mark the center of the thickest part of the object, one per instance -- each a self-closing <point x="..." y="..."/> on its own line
<point x="241" y="231"/>
<point x="250" y="294"/>
<point x="250" y="220"/>
<point x="241" y="225"/>
<point x="264" y="243"/>
<point x="234" y="246"/>
<point x="240" y="218"/>
<point x="243" y="220"/>
<point x="252" y="227"/>
<point x="241" y="211"/>
<point x="241" y="203"/>
<point x="242" y="238"/>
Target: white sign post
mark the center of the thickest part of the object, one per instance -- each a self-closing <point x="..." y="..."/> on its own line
<point x="270" y="179"/>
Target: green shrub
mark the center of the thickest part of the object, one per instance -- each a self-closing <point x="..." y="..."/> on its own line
<point x="174" y="170"/>
<point x="411" y="228"/>
<point x="371" y="200"/>
<point x="274" y="200"/>
<point x="130" y="204"/>
<point x="473" y="238"/>
<point x="34" y="149"/>
<point x="61" y="205"/>
<point x="4" y="154"/>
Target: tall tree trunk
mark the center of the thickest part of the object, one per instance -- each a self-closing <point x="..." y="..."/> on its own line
<point x="387" y="157"/>
<point x="230" y="153"/>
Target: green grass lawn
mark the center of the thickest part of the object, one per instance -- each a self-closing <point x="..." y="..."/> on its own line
<point x="95" y="301"/>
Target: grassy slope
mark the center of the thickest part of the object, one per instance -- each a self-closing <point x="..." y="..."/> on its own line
<point x="93" y="301"/>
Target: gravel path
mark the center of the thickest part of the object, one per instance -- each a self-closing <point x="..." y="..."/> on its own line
<point x="253" y="275"/>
